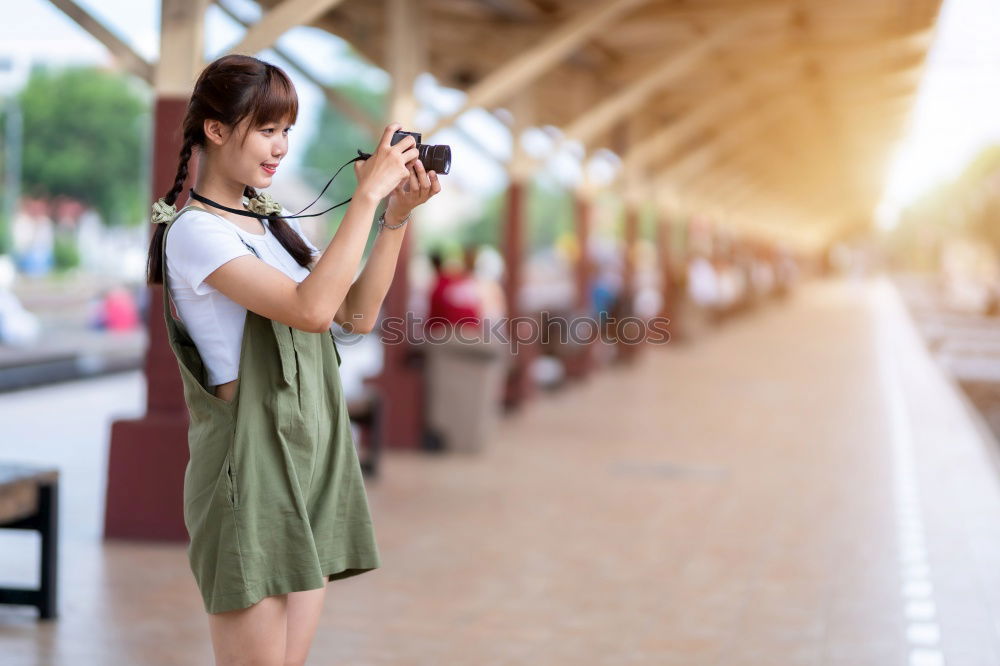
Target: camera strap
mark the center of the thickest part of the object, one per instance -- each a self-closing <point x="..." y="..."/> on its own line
<point x="247" y="213"/>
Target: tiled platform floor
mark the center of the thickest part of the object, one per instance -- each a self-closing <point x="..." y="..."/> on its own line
<point x="801" y="487"/>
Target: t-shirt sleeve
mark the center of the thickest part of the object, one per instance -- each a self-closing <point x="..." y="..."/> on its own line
<point x="197" y="244"/>
<point x="294" y="224"/>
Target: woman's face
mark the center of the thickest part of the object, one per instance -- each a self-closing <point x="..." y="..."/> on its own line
<point x="255" y="162"/>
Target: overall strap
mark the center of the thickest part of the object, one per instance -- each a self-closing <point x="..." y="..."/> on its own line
<point x="167" y="300"/>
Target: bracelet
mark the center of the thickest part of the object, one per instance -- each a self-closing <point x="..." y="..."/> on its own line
<point x="382" y="225"/>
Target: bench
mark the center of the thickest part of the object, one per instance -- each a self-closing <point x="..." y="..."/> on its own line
<point x="29" y="500"/>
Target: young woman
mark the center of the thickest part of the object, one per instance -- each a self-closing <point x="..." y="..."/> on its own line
<point x="274" y="500"/>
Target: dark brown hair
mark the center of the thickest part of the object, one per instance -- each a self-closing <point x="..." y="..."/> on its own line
<point x="231" y="89"/>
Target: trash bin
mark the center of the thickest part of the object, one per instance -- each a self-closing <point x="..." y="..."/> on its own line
<point x="465" y="380"/>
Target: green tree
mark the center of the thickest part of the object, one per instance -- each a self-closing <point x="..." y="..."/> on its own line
<point x="549" y="212"/>
<point x="485" y="228"/>
<point x="83" y="138"/>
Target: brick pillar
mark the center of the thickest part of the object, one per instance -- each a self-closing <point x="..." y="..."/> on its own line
<point x="401" y="382"/>
<point x="519" y="382"/>
<point x="669" y="292"/>
<point x="628" y="352"/>
<point x="148" y="455"/>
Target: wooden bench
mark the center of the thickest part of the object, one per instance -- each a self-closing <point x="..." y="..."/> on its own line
<point x="29" y="500"/>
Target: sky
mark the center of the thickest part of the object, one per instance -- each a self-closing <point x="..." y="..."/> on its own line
<point x="956" y="113"/>
<point x="957" y="110"/>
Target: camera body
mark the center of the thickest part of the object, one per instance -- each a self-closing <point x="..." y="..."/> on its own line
<point x="436" y="158"/>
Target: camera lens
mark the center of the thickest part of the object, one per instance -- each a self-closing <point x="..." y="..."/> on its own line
<point x="436" y="158"/>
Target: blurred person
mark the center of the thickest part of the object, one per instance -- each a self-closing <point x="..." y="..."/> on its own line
<point x="18" y="326"/>
<point x="116" y="310"/>
<point x="34" y="238"/>
<point x="604" y="288"/>
<point x="729" y="283"/>
<point x="454" y="298"/>
<point x="274" y="500"/>
<point x="703" y="284"/>
<point x="465" y="369"/>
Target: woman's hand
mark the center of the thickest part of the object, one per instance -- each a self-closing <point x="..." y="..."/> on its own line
<point x="415" y="190"/>
<point x="386" y="169"/>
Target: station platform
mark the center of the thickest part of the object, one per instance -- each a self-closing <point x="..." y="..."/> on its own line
<point x="801" y="486"/>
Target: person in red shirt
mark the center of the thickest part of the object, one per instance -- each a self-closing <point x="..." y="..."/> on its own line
<point x="454" y="299"/>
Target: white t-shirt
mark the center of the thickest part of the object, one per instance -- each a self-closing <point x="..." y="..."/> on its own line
<point x="198" y="243"/>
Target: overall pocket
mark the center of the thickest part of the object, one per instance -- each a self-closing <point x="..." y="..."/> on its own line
<point x="286" y="350"/>
<point x="231" y="483"/>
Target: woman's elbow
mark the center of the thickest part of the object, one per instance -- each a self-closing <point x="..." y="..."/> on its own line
<point x="361" y="327"/>
<point x="315" y="323"/>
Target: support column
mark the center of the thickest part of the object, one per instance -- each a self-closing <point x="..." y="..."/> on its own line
<point x="520" y="385"/>
<point x="669" y="294"/>
<point x="629" y="133"/>
<point x="401" y="382"/>
<point x="582" y="363"/>
<point x="148" y="456"/>
<point x="628" y="351"/>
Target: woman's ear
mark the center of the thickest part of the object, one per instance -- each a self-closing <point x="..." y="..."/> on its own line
<point x="216" y="131"/>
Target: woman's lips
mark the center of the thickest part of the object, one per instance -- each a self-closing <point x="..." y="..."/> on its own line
<point x="269" y="169"/>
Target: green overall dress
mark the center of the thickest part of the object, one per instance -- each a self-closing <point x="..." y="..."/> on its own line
<point x="274" y="499"/>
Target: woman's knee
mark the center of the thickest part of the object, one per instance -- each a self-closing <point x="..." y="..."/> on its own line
<point x="251" y="636"/>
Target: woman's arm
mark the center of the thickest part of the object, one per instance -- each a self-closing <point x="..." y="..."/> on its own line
<point x="364" y="299"/>
<point x="311" y="305"/>
<point x="360" y="308"/>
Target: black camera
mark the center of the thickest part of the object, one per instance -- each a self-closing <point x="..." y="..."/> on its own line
<point x="434" y="158"/>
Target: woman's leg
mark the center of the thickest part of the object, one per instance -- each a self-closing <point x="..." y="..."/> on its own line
<point x="253" y="636"/>
<point x="303" y="617"/>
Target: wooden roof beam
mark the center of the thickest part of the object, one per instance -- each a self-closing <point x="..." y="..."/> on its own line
<point x="279" y="20"/>
<point x="586" y="126"/>
<point x="521" y="70"/>
<point x="130" y="59"/>
<point x="333" y="98"/>
<point x="701" y="116"/>
<point x="520" y="10"/>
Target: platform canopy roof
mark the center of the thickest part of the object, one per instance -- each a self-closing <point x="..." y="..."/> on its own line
<point x="777" y="116"/>
<point x="784" y="113"/>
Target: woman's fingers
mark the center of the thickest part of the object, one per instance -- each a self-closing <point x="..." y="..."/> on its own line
<point x="384" y="142"/>
<point x="435" y="183"/>
<point x="421" y="175"/>
<point x="410" y="154"/>
<point x="405" y="144"/>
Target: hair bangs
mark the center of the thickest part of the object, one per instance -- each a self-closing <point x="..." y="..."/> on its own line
<point x="275" y="100"/>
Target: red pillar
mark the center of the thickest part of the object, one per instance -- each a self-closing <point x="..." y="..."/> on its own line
<point x="669" y="294"/>
<point x="629" y="351"/>
<point x="401" y="382"/>
<point x="147" y="456"/>
<point x="519" y="383"/>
